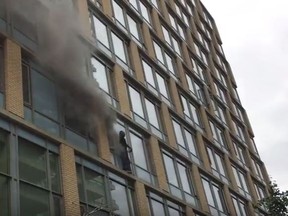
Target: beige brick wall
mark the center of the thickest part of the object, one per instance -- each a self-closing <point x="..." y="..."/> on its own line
<point x="103" y="142"/>
<point x="69" y="179"/>
<point x="143" y="207"/>
<point x="13" y="78"/>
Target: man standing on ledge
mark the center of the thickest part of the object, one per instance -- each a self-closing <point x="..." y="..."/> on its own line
<point x="124" y="149"/>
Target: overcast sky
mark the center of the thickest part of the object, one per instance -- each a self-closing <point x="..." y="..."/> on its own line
<point x="255" y="41"/>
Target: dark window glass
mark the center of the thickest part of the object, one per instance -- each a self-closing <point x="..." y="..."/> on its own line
<point x="1" y="64"/>
<point x="26" y="84"/>
<point x="4" y="197"/>
<point x="54" y="172"/>
<point x="4" y="153"/>
<point x="157" y="208"/>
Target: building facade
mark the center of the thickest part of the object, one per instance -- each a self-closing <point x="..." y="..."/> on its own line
<point x="163" y="72"/>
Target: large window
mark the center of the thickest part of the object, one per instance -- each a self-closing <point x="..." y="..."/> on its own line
<point x="220" y="76"/>
<point x="145" y="112"/>
<point x="109" y="42"/>
<point x="260" y="191"/>
<point x="160" y="206"/>
<point x="214" y="196"/>
<point x="128" y="24"/>
<point x="198" y="69"/>
<point x="239" y="206"/>
<point x="39" y="174"/>
<point x="179" y="178"/>
<point x="221" y="94"/>
<point x="171" y="41"/>
<point x="139" y="156"/>
<point x="217" y="164"/>
<point x="156" y="82"/>
<point x="218" y="135"/>
<point x="253" y="146"/>
<point x="238" y="112"/>
<point x="103" y="76"/>
<point x="240" y="153"/>
<point x="183" y="16"/>
<point x="201" y="53"/>
<point x="239" y="130"/>
<point x="102" y="191"/>
<point x="191" y="112"/>
<point x="40" y="99"/>
<point x="141" y="9"/>
<point x="164" y="59"/>
<point x="219" y="111"/>
<point x="196" y="89"/>
<point x="177" y="27"/>
<point x="240" y="178"/>
<point x="257" y="168"/>
<point x="186" y="141"/>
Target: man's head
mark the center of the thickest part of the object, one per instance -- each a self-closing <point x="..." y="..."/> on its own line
<point x="121" y="134"/>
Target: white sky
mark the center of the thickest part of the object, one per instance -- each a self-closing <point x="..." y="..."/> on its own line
<point x="255" y="41"/>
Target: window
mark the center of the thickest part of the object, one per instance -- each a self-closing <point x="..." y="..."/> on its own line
<point x="203" y="40"/>
<point x="191" y="112"/>
<point x="171" y="41"/>
<point x="205" y="29"/>
<point x="145" y="112"/>
<point x="164" y="59"/>
<point x="260" y="191"/>
<point x="240" y="153"/>
<point x="160" y="206"/>
<point x="241" y="182"/>
<point x="98" y="3"/>
<point x="142" y="9"/>
<point x="139" y="156"/>
<point x="219" y="112"/>
<point x="214" y="196"/>
<point x="239" y="130"/>
<point x="253" y="146"/>
<point x="235" y="94"/>
<point x="221" y="61"/>
<point x="178" y="177"/>
<point x="186" y="141"/>
<point x="196" y="89"/>
<point x="103" y="191"/>
<point x="126" y="22"/>
<point x="238" y="112"/>
<point x="221" y="94"/>
<point x="201" y="53"/>
<point x="39" y="174"/>
<point x="220" y="76"/>
<point x="177" y="27"/>
<point x="217" y="164"/>
<point x="183" y="16"/>
<point x="103" y="75"/>
<point x="187" y="4"/>
<point x="40" y="99"/>
<point x="257" y="169"/>
<point x="1" y="74"/>
<point x="109" y="42"/>
<point x="218" y="135"/>
<point x="156" y="82"/>
<point x="239" y="206"/>
<point x="198" y="69"/>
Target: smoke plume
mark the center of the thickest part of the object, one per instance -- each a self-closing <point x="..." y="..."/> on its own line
<point x="63" y="51"/>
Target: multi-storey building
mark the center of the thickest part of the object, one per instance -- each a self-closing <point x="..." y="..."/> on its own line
<point x="164" y="74"/>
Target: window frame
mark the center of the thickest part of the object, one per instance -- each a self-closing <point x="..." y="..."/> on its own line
<point x="195" y="86"/>
<point x="240" y="176"/>
<point x="221" y="139"/>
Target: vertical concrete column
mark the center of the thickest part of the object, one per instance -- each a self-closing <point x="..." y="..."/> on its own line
<point x="228" y="200"/>
<point x="103" y="142"/>
<point x="137" y="62"/>
<point x="189" y="211"/>
<point x="148" y="41"/>
<point x="157" y="23"/>
<point x="230" y="172"/>
<point x="69" y="178"/>
<point x="83" y="11"/>
<point x="202" y="151"/>
<point x="175" y="97"/>
<point x="199" y="189"/>
<point x="164" y="11"/>
<point x="181" y="73"/>
<point x="186" y="55"/>
<point x="168" y="125"/>
<point x="205" y="122"/>
<point x="121" y="88"/>
<point x="250" y="185"/>
<point x="13" y="78"/>
<point x="107" y="8"/>
<point x="158" y="163"/>
<point x="141" y="198"/>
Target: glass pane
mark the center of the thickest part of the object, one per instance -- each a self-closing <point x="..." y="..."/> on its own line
<point x="162" y="85"/>
<point x="236" y="207"/>
<point x="101" y="32"/>
<point x="4" y="153"/>
<point x="173" y="212"/>
<point x="4" y="196"/>
<point x="136" y="103"/>
<point x="211" y="157"/>
<point x="99" y="73"/>
<point x="80" y="183"/>
<point x="118" y="13"/>
<point x="208" y="192"/>
<point x="32" y="163"/>
<point x="243" y="180"/>
<point x="44" y="95"/>
<point x="95" y="188"/>
<point x="119" y="48"/>
<point x="184" y="178"/>
<point x="191" y="142"/>
<point x="119" y="199"/>
<point x="54" y="172"/>
<point x="26" y="83"/>
<point x="144" y="12"/>
<point x="152" y="113"/>
<point x="170" y="170"/>
<point x="157" y="208"/>
<point x="176" y="46"/>
<point x="138" y="151"/>
<point x="194" y="114"/>
<point x="57" y="206"/>
<point x="133" y="27"/>
<point x="220" y="164"/>
<point x="185" y="106"/>
<point x="178" y="133"/>
<point x="158" y="52"/>
<point x="169" y="63"/>
<point x="166" y="35"/>
<point x="148" y="74"/>
<point x="33" y="201"/>
<point x="218" y="197"/>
